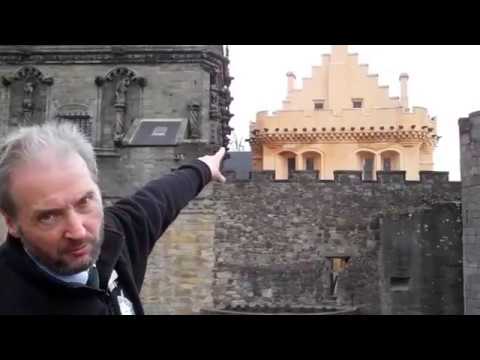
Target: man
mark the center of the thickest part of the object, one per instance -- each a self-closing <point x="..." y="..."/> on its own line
<point x="64" y="253"/>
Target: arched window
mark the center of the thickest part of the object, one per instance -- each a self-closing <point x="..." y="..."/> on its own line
<point x="287" y="164"/>
<point x="366" y="160"/>
<point x="390" y="160"/>
<point x="312" y="161"/>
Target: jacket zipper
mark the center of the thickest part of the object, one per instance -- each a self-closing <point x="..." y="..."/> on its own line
<point x="109" y="301"/>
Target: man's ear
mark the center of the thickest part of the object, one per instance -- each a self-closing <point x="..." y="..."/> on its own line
<point x="11" y="224"/>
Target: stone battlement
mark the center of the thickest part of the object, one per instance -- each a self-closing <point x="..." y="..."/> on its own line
<point x="346" y="177"/>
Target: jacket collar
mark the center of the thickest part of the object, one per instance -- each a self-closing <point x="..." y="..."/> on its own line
<point x="112" y="246"/>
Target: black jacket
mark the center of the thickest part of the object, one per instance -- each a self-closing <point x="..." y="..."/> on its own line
<point x="131" y="227"/>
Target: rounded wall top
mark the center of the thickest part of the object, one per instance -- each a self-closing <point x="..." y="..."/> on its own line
<point x="474" y="114"/>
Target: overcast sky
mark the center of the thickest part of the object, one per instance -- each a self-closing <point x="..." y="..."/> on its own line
<point x="443" y="78"/>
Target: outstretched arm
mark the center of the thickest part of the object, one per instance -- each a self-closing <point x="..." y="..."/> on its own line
<point x="213" y="162"/>
<point x="144" y="216"/>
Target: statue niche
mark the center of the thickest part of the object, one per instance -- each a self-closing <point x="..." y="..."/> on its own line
<point x="121" y="92"/>
<point x="28" y="96"/>
<point x="194" y="130"/>
<point x="27" y="104"/>
<point x="120" y="104"/>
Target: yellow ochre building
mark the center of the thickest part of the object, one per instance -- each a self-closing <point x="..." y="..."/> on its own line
<point x="341" y="119"/>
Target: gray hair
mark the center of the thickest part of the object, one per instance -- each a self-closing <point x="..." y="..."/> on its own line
<point x="27" y="142"/>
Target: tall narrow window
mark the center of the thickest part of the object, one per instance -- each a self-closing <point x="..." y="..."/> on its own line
<point x="368" y="169"/>
<point x="387" y="164"/>
<point x="291" y="164"/>
<point x="390" y="160"/>
<point x="310" y="164"/>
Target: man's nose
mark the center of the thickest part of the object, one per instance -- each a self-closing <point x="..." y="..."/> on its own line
<point x="75" y="228"/>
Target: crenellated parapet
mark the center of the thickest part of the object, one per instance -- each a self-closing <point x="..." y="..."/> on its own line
<point x="348" y="177"/>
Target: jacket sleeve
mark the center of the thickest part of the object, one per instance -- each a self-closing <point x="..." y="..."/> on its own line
<point x="144" y="216"/>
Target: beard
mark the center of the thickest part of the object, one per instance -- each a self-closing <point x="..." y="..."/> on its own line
<point x="59" y="265"/>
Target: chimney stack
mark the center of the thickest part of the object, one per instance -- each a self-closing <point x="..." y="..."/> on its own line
<point x="290" y="81"/>
<point x="404" y="90"/>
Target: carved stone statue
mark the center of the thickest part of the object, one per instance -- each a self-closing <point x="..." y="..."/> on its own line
<point x="27" y="103"/>
<point x="118" y="131"/>
<point x="120" y="105"/>
<point x="213" y="99"/>
<point x="28" y="90"/>
<point x="194" y="121"/>
<point x="121" y="91"/>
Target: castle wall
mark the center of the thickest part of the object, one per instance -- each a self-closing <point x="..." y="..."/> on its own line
<point x="470" y="171"/>
<point x="274" y="241"/>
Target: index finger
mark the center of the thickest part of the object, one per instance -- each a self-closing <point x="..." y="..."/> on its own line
<point x="220" y="153"/>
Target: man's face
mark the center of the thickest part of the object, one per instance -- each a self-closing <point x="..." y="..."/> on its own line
<point x="59" y="212"/>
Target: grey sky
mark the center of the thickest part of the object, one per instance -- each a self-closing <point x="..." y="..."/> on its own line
<point x="443" y="78"/>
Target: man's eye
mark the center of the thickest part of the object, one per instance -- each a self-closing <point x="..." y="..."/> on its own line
<point x="85" y="201"/>
<point x="48" y="219"/>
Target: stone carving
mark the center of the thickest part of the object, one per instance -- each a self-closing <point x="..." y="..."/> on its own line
<point x="106" y="55"/>
<point x="28" y="95"/>
<point x="213" y="99"/>
<point x="122" y="87"/>
<point x="121" y="91"/>
<point x="28" y="90"/>
<point x="120" y="107"/>
<point x="194" y="121"/>
<point x="27" y="103"/>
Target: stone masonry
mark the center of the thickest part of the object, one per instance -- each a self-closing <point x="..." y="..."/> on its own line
<point x="274" y="241"/>
<point x="388" y="246"/>
<point x="187" y="82"/>
<point x="470" y="170"/>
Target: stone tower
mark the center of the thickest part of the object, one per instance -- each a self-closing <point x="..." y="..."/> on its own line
<point x="470" y="171"/>
<point x="145" y="108"/>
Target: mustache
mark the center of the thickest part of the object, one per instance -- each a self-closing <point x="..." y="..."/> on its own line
<point x="78" y="244"/>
